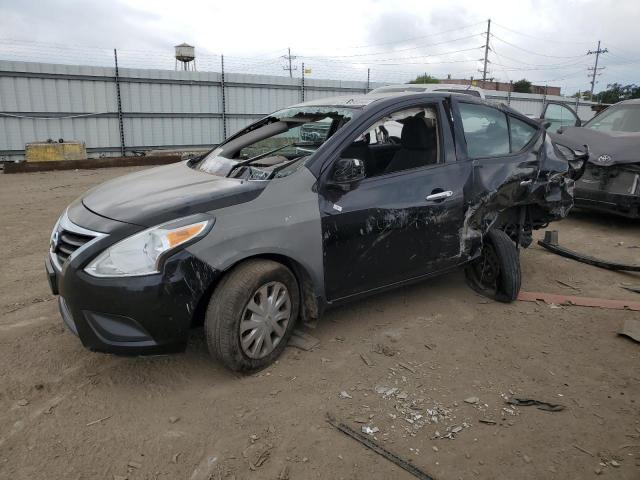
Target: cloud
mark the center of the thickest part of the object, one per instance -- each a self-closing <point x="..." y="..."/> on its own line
<point x="85" y="23"/>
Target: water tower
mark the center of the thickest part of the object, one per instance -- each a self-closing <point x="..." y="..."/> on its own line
<point x="186" y="55"/>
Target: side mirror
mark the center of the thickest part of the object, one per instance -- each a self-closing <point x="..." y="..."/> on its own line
<point x="546" y="125"/>
<point x="578" y="122"/>
<point x="347" y="171"/>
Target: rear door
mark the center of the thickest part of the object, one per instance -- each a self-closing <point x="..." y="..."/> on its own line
<point x="500" y="148"/>
<point x="397" y="225"/>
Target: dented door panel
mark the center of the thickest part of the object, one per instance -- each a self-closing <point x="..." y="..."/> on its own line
<point x="385" y="231"/>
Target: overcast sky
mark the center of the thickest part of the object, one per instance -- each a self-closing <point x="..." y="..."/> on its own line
<point x="541" y="40"/>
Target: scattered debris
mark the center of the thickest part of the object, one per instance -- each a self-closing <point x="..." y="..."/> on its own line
<point x="99" y="420"/>
<point x="472" y="400"/>
<point x="384" y="350"/>
<point x="366" y="360"/>
<point x="631" y="329"/>
<point x="434" y="448"/>
<point x="406" y="367"/>
<point x="550" y="242"/>
<point x="527" y="458"/>
<point x="284" y="473"/>
<point x="303" y="341"/>
<point x="487" y="421"/>
<point x="565" y="284"/>
<point x="344" y="394"/>
<point x="175" y="457"/>
<point x="370" y="430"/>
<point x="527" y="402"/>
<point x="583" y="450"/>
<point x="370" y="444"/>
<point x="262" y="457"/>
<point x="555" y="299"/>
<point x="133" y="464"/>
<point x="385" y="391"/>
<point x="23" y="402"/>
<point x="173" y="419"/>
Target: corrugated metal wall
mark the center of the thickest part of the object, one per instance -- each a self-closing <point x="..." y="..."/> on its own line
<point x="161" y="108"/>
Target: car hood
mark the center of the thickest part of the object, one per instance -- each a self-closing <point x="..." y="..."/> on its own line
<point x="605" y="149"/>
<point x="157" y="195"/>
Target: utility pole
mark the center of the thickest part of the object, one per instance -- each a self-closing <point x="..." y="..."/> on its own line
<point x="595" y="67"/>
<point x="289" y="58"/>
<point x="486" y="53"/>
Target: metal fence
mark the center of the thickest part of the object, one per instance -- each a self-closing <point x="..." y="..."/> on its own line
<point x="115" y="111"/>
<point x="156" y="109"/>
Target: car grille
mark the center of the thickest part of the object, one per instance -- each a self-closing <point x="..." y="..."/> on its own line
<point x="69" y="242"/>
<point x="69" y="238"/>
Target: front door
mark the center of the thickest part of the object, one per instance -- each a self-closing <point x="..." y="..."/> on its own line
<point x="404" y="220"/>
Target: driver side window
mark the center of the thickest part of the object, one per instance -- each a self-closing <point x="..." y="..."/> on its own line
<point x="402" y="140"/>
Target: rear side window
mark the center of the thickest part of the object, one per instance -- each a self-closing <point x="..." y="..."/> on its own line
<point x="521" y="133"/>
<point x="485" y="130"/>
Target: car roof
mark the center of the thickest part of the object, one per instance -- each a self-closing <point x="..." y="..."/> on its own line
<point x="362" y="100"/>
<point x="427" y="87"/>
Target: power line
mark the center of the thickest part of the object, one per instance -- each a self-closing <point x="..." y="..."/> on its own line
<point x="537" y="38"/>
<point x="406" y="40"/>
<point x="378" y="60"/>
<point x="385" y="52"/>
<point x="531" y="51"/>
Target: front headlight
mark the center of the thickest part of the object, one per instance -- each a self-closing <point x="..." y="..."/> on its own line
<point x="140" y="254"/>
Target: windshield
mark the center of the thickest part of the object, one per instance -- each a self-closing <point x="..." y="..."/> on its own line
<point x="278" y="144"/>
<point x="617" y="118"/>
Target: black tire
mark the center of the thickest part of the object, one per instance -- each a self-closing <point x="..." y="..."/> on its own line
<point x="228" y="304"/>
<point x="496" y="273"/>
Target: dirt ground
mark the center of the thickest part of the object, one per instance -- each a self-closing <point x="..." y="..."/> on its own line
<point x="67" y="413"/>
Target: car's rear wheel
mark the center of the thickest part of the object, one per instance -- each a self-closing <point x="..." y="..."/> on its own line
<point x="251" y="315"/>
<point x="496" y="273"/>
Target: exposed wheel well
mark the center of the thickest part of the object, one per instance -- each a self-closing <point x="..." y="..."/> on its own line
<point x="309" y="305"/>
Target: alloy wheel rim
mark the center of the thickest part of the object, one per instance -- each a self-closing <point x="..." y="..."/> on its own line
<point x="265" y="319"/>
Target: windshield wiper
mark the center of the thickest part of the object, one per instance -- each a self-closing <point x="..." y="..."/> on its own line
<point x="258" y="157"/>
<point x="266" y="154"/>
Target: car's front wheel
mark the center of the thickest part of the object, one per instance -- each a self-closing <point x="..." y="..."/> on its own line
<point x="251" y="315"/>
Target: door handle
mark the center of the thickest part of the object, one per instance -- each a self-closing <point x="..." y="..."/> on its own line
<point x="524" y="183"/>
<point x="439" y="195"/>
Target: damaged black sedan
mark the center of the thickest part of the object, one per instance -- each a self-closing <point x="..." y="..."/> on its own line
<point x="310" y="207"/>
<point x="611" y="182"/>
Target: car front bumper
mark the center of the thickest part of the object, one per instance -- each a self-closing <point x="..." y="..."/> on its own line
<point x="614" y="189"/>
<point x="132" y="315"/>
<point x="603" y="201"/>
